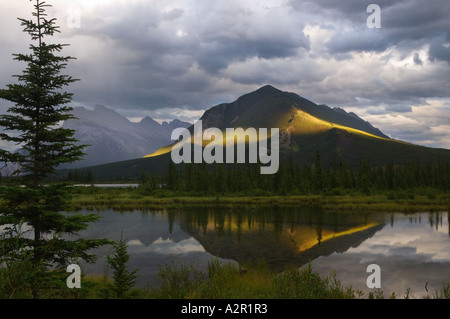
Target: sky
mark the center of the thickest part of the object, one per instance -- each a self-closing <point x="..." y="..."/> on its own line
<point x="176" y="58"/>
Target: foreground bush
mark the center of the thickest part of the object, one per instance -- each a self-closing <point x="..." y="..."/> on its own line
<point x="219" y="281"/>
<point x="230" y="281"/>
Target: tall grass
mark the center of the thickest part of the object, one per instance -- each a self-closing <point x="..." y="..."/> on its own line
<point x="222" y="281"/>
<point x="129" y="199"/>
<point x="230" y="281"/>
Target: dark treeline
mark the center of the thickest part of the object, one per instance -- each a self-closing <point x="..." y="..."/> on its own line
<point x="80" y="175"/>
<point x="335" y="179"/>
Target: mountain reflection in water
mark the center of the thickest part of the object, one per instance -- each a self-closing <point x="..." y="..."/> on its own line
<point x="278" y="236"/>
<point x="411" y="249"/>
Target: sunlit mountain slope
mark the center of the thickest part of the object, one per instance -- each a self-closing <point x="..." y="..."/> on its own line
<point x="305" y="128"/>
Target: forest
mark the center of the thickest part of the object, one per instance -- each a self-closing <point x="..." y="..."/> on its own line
<point x="291" y="179"/>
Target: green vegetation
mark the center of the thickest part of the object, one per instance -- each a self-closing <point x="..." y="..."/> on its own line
<point x="411" y="187"/>
<point x="230" y="281"/>
<point x="124" y="279"/>
<point x="129" y="199"/>
<point x="337" y="179"/>
<point x="32" y="245"/>
<point x="402" y="188"/>
<point x="227" y="281"/>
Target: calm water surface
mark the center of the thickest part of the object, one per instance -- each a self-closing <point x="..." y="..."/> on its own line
<point x="413" y="250"/>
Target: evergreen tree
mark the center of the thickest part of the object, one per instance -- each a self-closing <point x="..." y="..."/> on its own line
<point x="189" y="179"/>
<point x="318" y="173"/>
<point x="203" y="178"/>
<point x="220" y="179"/>
<point x="40" y="104"/>
<point x="171" y="176"/>
<point x="124" y="279"/>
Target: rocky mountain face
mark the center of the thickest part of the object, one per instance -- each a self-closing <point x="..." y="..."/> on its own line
<point x="307" y="128"/>
<point x="127" y="149"/>
<point x="266" y="105"/>
<point x="112" y="137"/>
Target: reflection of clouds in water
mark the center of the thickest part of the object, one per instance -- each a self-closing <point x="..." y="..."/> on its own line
<point x="408" y="240"/>
<point x="409" y="254"/>
<point x="397" y="272"/>
<point x="403" y="251"/>
<point x="166" y="246"/>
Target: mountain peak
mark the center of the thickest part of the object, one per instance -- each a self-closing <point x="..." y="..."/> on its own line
<point x="270" y="107"/>
<point x="115" y="138"/>
<point x="262" y="92"/>
<point x="269" y="89"/>
<point x="148" y="121"/>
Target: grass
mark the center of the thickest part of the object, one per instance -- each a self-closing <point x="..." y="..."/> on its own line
<point x="129" y="199"/>
<point x="227" y="281"/>
<point x="230" y="281"/>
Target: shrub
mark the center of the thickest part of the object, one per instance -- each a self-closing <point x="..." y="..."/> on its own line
<point x="177" y="279"/>
<point x="124" y="279"/>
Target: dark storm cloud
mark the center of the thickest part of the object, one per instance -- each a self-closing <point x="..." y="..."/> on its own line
<point x="220" y="52"/>
<point x="165" y="57"/>
<point x="417" y="59"/>
<point x="359" y="40"/>
<point x="407" y="24"/>
<point x="440" y="48"/>
<point x="212" y="43"/>
<point x="177" y="57"/>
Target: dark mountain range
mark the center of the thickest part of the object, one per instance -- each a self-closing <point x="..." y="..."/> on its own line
<point x="114" y="138"/>
<point x="267" y="106"/>
<point x="305" y="128"/>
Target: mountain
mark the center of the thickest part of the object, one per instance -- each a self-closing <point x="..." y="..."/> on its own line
<point x="112" y="137"/>
<point x="268" y="107"/>
<point x="305" y="128"/>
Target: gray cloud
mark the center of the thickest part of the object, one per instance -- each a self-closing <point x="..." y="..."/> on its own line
<point x="405" y="23"/>
<point x="417" y="59"/>
<point x="440" y="48"/>
<point x="174" y="58"/>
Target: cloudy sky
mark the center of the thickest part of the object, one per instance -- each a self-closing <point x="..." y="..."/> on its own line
<point x="175" y="58"/>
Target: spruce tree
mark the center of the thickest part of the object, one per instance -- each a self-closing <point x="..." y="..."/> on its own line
<point x="40" y="105"/>
<point x="124" y="279"/>
<point x="318" y="173"/>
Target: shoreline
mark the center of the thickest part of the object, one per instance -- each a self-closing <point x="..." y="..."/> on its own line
<point x="129" y="200"/>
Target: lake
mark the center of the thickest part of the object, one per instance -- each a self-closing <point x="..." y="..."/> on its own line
<point x="412" y="250"/>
